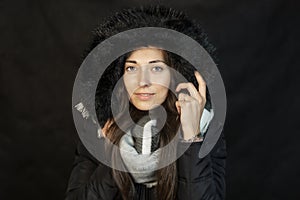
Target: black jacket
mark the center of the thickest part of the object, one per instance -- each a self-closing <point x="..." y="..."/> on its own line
<point x="197" y="178"/>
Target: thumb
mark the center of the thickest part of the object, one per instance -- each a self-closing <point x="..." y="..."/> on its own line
<point x="177" y="104"/>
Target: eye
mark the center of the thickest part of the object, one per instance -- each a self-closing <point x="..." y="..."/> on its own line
<point x="157" y="68"/>
<point x="130" y="68"/>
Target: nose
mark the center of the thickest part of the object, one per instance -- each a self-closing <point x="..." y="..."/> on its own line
<point x="144" y="78"/>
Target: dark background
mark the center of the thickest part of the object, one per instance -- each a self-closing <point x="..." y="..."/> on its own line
<point x="41" y="45"/>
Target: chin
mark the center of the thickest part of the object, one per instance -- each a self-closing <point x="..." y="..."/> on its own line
<point x="146" y="107"/>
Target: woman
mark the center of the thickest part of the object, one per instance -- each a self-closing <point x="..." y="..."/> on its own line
<point x="147" y="79"/>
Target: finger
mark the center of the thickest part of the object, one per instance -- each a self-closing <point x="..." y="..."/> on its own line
<point x="191" y="88"/>
<point x="184" y="98"/>
<point x="201" y="83"/>
<point x="177" y="104"/>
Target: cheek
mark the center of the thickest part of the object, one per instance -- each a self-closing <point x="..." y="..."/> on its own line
<point x="129" y="83"/>
<point x="162" y="79"/>
<point x="164" y="92"/>
<point x="164" y="86"/>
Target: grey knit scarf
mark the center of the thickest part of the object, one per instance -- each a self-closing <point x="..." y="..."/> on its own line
<point x="139" y="147"/>
<point x="139" y="150"/>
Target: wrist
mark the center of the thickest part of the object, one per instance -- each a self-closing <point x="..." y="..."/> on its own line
<point x="190" y="134"/>
<point x="194" y="138"/>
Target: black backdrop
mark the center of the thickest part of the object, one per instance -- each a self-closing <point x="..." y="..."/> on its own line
<point x="41" y="45"/>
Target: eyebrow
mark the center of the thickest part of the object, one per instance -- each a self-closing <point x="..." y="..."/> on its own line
<point x="152" y="61"/>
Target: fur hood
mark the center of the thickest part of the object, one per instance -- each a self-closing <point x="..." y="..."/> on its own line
<point x="152" y="16"/>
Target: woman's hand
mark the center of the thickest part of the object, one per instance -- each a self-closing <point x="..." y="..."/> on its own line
<point x="190" y="107"/>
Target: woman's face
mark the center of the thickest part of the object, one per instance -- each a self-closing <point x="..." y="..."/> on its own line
<point x="146" y="78"/>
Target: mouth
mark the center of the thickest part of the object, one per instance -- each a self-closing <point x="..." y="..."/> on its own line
<point x="144" y="96"/>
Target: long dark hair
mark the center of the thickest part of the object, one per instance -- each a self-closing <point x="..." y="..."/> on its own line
<point x="166" y="176"/>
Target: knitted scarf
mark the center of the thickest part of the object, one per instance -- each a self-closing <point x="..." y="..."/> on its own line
<point x="139" y="150"/>
<point x="139" y="147"/>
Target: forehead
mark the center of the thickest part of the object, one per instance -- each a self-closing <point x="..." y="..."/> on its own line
<point x="146" y="55"/>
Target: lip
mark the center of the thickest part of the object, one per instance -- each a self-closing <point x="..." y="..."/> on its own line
<point x="144" y="96"/>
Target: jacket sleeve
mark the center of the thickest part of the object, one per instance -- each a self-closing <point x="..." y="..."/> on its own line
<point x="202" y="178"/>
<point x="89" y="178"/>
